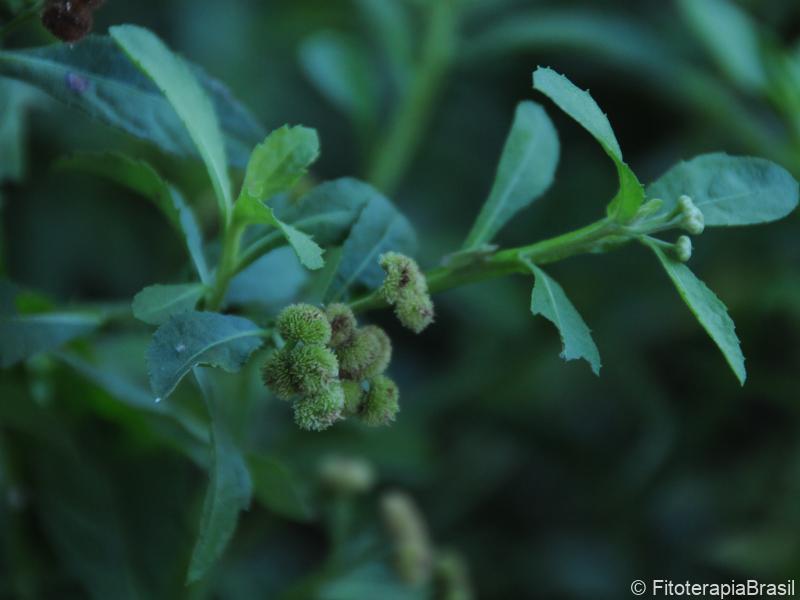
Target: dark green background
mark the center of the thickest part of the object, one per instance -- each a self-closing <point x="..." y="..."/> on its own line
<point x="552" y="483"/>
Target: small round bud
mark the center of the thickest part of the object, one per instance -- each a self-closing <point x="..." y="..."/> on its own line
<point x="313" y="368"/>
<point x="304" y="323"/>
<point x="347" y="475"/>
<point x="277" y="375"/>
<point x="353" y="397"/>
<point x="367" y="354"/>
<point x="406" y="288"/>
<point x="381" y="404"/>
<point x="693" y="220"/>
<point x="343" y="323"/>
<point x="412" y="545"/>
<point x="683" y="248"/>
<point x="319" y="411"/>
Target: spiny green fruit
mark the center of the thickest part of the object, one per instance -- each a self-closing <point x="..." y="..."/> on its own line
<point x="381" y="404"/>
<point x="343" y="323"/>
<point x="367" y="354"/>
<point x="313" y="368"/>
<point x="406" y="288"/>
<point x="319" y="411"/>
<point x="353" y="396"/>
<point x="277" y="375"/>
<point x="304" y="323"/>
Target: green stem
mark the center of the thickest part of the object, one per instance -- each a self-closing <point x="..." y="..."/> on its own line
<point x="412" y="115"/>
<point x="514" y="260"/>
<point x="228" y="266"/>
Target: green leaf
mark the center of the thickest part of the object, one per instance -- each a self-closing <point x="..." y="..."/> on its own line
<point x="730" y="190"/>
<point x="526" y="171"/>
<point x="707" y="308"/>
<point x="229" y="491"/>
<point x="277" y="489"/>
<point x="15" y="101"/>
<point x="732" y="39"/>
<point x="97" y="78"/>
<point x="23" y="336"/>
<point x="180" y="86"/>
<point x="157" y="303"/>
<point x="342" y="72"/>
<point x="270" y="283"/>
<point x="549" y="300"/>
<point x="380" y="228"/>
<point x="579" y="105"/>
<point x="142" y="178"/>
<point x="278" y="163"/>
<point x="592" y="33"/>
<point x="275" y="166"/>
<point x="194" y="338"/>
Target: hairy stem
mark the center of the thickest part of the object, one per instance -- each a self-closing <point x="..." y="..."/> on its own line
<point x="514" y="260"/>
<point x="412" y="115"/>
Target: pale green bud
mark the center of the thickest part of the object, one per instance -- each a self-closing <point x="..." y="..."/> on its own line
<point x="381" y="403"/>
<point x="368" y="353"/>
<point x="304" y="323"/>
<point x="692" y="220"/>
<point x="412" y="546"/>
<point x="347" y="475"/>
<point x="406" y="288"/>
<point x="683" y="248"/>
<point x="319" y="411"/>
<point x="313" y="368"/>
<point x="649" y="208"/>
<point x="277" y="375"/>
<point x="343" y="323"/>
<point x="353" y="396"/>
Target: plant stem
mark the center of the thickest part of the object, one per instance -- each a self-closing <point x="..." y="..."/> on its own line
<point x="514" y="260"/>
<point x="412" y="115"/>
<point x="228" y="265"/>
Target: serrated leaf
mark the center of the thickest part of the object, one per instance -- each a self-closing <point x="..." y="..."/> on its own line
<point x="341" y="71"/>
<point x="198" y="338"/>
<point x="579" y="105"/>
<point x="275" y="166"/>
<point x="380" y="228"/>
<point x="709" y="310"/>
<point x="140" y="177"/>
<point x="157" y="303"/>
<point x="96" y="77"/>
<point x="549" y="300"/>
<point x="732" y="39"/>
<point x="730" y="190"/>
<point x="276" y="488"/>
<point x="525" y="172"/>
<point x="229" y="491"/>
<point x="23" y="336"/>
<point x="176" y="80"/>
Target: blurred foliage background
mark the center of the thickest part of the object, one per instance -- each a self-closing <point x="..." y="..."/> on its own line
<point x="547" y="481"/>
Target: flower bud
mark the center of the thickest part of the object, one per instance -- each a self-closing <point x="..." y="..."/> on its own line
<point x="304" y="323"/>
<point x="381" y="404"/>
<point x="277" y="375"/>
<point x="649" y="208"/>
<point x="347" y="475"/>
<point x="343" y="323"/>
<point x="319" y="411"/>
<point x="367" y="354"/>
<point x="683" y="248"/>
<point x="692" y="220"/>
<point x="413" y="551"/>
<point x="406" y="288"/>
<point x="313" y="368"/>
<point x="353" y="397"/>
